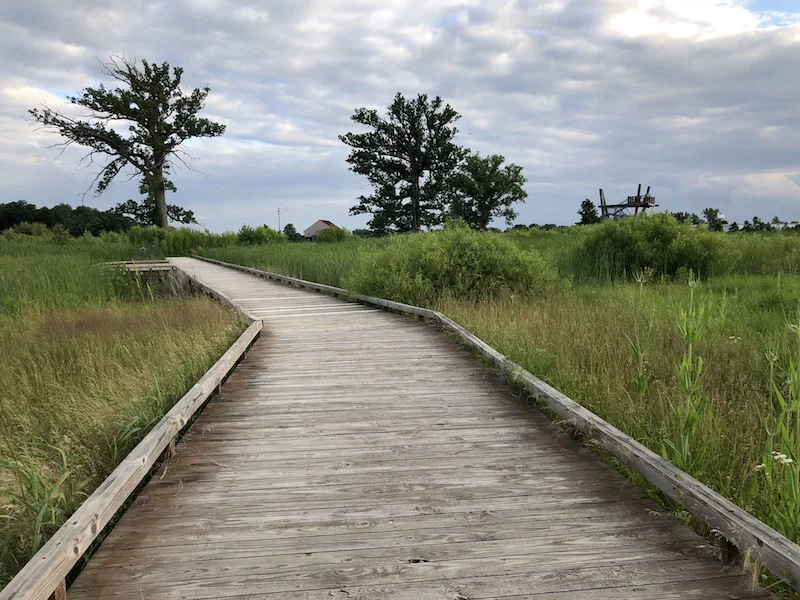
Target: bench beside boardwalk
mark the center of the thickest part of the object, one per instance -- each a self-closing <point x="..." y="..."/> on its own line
<point x="359" y="454"/>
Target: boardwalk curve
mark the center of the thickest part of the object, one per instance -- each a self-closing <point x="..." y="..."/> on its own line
<point x="359" y="454"/>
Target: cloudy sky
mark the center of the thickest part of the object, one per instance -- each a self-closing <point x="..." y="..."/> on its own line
<point x="698" y="98"/>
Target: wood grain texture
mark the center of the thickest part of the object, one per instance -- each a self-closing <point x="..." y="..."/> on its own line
<point x="144" y="266"/>
<point x="46" y="571"/>
<point x="360" y="454"/>
<point x="61" y="592"/>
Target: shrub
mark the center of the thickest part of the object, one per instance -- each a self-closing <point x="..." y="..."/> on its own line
<point x="767" y="253"/>
<point x="88" y="238"/>
<point x="9" y="235"/>
<point x="37" y="229"/>
<point x="184" y="241"/>
<point x="61" y="235"/>
<point x="458" y="262"/>
<point x="146" y="236"/>
<point x="113" y="237"/>
<point x="249" y="236"/>
<point x="619" y="248"/>
<point x="333" y="234"/>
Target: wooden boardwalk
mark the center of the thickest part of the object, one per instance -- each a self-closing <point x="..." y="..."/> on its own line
<point x="358" y="454"/>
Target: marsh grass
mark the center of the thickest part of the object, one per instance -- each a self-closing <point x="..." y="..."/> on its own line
<point x="324" y="263"/>
<point x="90" y="359"/>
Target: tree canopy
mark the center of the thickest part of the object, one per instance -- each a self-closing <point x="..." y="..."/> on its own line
<point x="685" y="217"/>
<point x="713" y="219"/>
<point x="588" y="213"/>
<point x="408" y="156"/>
<point x="483" y="189"/>
<point x="139" y="126"/>
<point x="291" y="233"/>
<point x="145" y="214"/>
<point x="74" y="220"/>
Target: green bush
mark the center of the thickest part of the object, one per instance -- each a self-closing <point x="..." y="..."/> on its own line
<point x="88" y="239"/>
<point x="146" y="236"/>
<point x="61" y="235"/>
<point x="767" y="253"/>
<point x="113" y="237"/>
<point x="249" y="236"/>
<point x="36" y="229"/>
<point x="9" y="235"/>
<point x="620" y="248"/>
<point x="185" y="241"/>
<point x="332" y="234"/>
<point x="458" y="262"/>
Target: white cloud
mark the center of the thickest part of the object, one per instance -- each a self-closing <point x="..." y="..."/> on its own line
<point x="685" y="18"/>
<point x="696" y="97"/>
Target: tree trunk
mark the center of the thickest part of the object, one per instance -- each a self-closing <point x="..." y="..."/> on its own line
<point x="415" y="203"/>
<point x="486" y="216"/>
<point x="160" y="196"/>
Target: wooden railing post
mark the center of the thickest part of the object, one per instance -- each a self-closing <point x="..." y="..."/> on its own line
<point x="61" y="591"/>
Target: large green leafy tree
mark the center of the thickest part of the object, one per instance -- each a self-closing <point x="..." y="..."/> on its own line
<point x="291" y="233"/>
<point x="685" y="217"/>
<point x="408" y="157"/>
<point x="713" y="219"/>
<point x="483" y="189"/>
<point x="139" y="126"/>
<point x="588" y="213"/>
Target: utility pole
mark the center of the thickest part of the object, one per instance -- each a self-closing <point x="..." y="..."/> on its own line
<point x="279" y="219"/>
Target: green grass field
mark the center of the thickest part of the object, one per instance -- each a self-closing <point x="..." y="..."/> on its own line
<point x="90" y="359"/>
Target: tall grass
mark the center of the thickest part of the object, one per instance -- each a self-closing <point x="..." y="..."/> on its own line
<point x="60" y="281"/>
<point x="324" y="263"/>
<point x="89" y="361"/>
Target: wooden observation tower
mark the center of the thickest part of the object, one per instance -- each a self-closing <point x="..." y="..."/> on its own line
<point x="633" y="203"/>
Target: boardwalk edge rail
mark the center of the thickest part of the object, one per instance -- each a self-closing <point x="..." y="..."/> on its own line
<point x="746" y="533"/>
<point x="44" y="575"/>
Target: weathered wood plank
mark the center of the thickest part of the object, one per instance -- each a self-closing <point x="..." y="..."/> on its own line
<point x="607" y="583"/>
<point x="376" y="567"/>
<point x="60" y="592"/>
<point x="338" y="292"/>
<point x="511" y="536"/>
<point x="246" y="530"/>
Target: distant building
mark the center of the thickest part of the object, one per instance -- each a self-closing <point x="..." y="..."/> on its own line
<point x="784" y="225"/>
<point x="769" y="225"/>
<point x="320" y="225"/>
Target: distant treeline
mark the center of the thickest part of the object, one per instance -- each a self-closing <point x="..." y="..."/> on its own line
<point x="23" y="217"/>
<point x="74" y="220"/>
